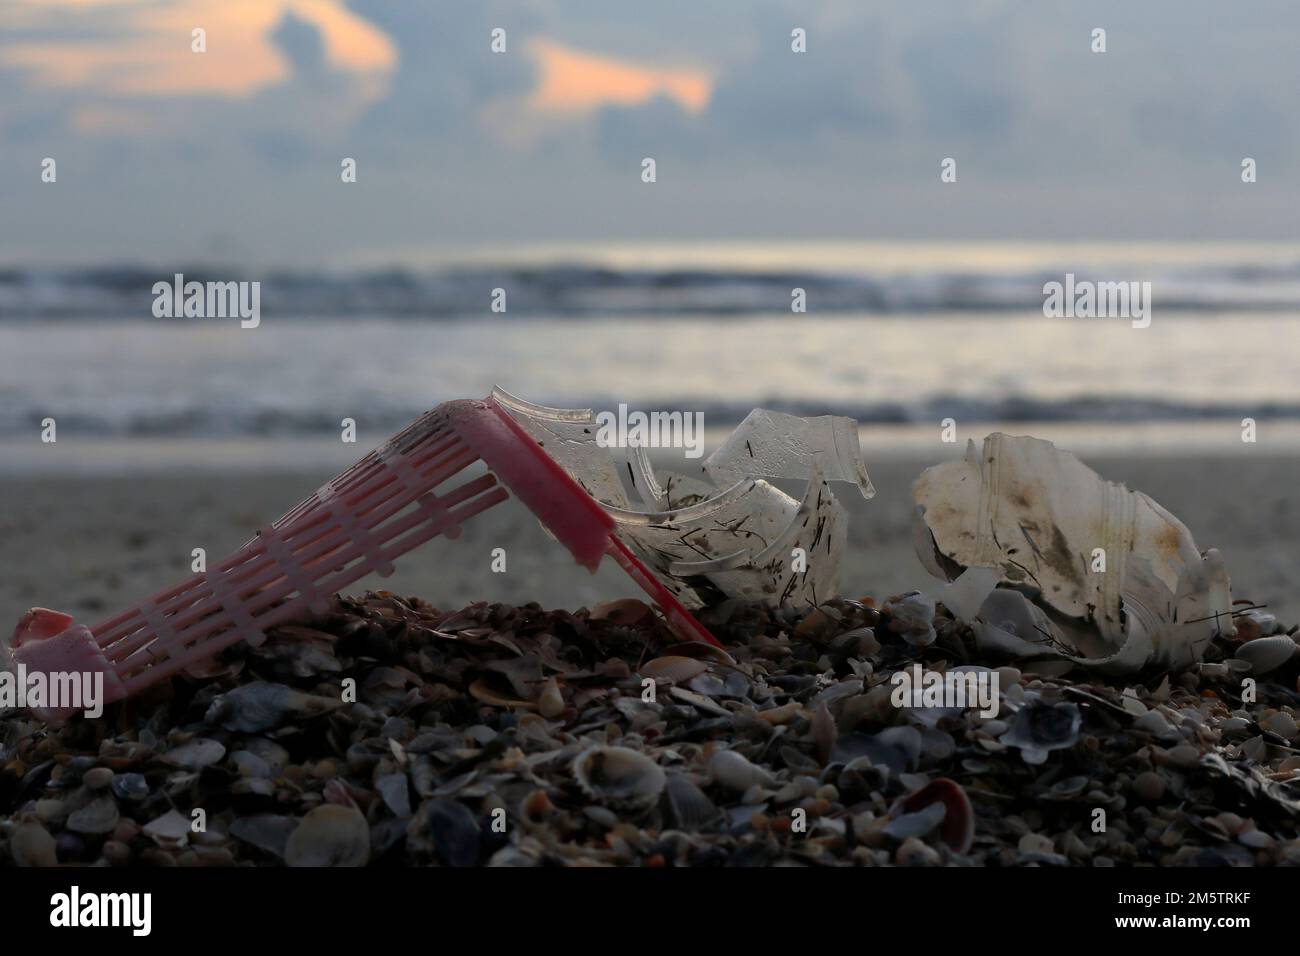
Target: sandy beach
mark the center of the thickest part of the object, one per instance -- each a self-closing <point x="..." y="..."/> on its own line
<point x="92" y="545"/>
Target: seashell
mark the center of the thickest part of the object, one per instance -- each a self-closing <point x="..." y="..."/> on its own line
<point x="673" y="668"/>
<point x="691" y="807"/>
<point x="849" y="687"/>
<point x="170" y="829"/>
<point x="449" y="830"/>
<point x="131" y="787"/>
<point x="550" y="703"/>
<point x="262" y="706"/>
<point x="1267" y="653"/>
<point x="624" y="612"/>
<point x="329" y="835"/>
<point x="823" y="731"/>
<point x="523" y="672"/>
<point x="196" y="754"/>
<point x="300" y="656"/>
<point x="958" y="819"/>
<point x="276" y="757"/>
<point x="481" y="691"/>
<point x="699" y="701"/>
<point x="619" y="776"/>
<point x="734" y="771"/>
<point x="1280" y="723"/>
<point x="250" y="764"/>
<point x="1157" y="724"/>
<point x="914" y="852"/>
<point x="783" y="714"/>
<point x="1040" y="727"/>
<point x="396" y="793"/>
<point x="212" y="668"/>
<point x="338" y="791"/>
<point x="857" y="642"/>
<point x="897" y="748"/>
<point x="1149" y="786"/>
<point x="265" y="831"/>
<point x="912" y="616"/>
<point x="98" y="816"/>
<point x="1255" y="623"/>
<point x="917" y="823"/>
<point x="537" y="806"/>
<point x="710" y="685"/>
<point x="32" y="845"/>
<point x="700" y="649"/>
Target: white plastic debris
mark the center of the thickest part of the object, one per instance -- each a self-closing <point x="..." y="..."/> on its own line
<point x="726" y="532"/>
<point x="1116" y="580"/>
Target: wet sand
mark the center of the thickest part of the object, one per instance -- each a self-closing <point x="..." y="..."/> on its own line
<point x="91" y="546"/>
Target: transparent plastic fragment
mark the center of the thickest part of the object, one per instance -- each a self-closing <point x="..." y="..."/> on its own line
<point x="776" y="445"/>
<point x="1126" y="586"/>
<point x="724" y="532"/>
<point x="569" y="436"/>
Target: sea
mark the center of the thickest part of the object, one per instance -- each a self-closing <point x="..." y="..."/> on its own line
<point x="899" y="335"/>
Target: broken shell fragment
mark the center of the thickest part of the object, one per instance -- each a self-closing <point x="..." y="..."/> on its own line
<point x="170" y="829"/>
<point x="196" y="754"/>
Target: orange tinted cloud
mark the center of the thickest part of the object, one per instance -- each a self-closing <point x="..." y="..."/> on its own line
<point x="573" y="81"/>
<point x="153" y="57"/>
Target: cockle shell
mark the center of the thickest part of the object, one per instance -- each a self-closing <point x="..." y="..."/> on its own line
<point x="619" y="777"/>
<point x="1267" y="653"/>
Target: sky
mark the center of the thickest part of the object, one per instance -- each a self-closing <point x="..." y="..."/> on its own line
<point x="234" y="153"/>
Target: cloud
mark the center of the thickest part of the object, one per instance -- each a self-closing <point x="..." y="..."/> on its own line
<point x="148" y="52"/>
<point x="458" y="144"/>
<point x="574" y="81"/>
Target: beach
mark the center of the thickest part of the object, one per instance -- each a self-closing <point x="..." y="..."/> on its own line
<point x="92" y="544"/>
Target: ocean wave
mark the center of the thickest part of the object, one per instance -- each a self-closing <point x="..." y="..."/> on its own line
<point x="583" y="290"/>
<point x="144" y="421"/>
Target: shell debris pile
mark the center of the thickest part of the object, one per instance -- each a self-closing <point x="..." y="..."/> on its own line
<point x="517" y="736"/>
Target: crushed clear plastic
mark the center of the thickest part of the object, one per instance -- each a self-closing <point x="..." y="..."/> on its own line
<point x="1110" y="579"/>
<point x="727" y="531"/>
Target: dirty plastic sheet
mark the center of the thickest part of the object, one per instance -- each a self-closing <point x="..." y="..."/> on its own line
<point x="1116" y="580"/>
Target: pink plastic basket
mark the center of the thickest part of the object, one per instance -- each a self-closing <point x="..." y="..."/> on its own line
<point x="391" y="501"/>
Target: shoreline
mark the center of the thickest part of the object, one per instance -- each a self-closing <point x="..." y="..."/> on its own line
<point x="92" y="544"/>
<point x="79" y="455"/>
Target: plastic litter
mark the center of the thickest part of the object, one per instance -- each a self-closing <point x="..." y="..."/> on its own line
<point x="726" y="532"/>
<point x="404" y="493"/>
<point x="1103" y="576"/>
